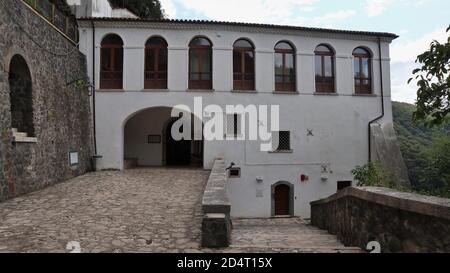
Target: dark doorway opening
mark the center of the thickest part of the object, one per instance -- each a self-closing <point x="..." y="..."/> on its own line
<point x="21" y="96"/>
<point x="178" y="153"/>
<point x="343" y="184"/>
<point x="282" y="196"/>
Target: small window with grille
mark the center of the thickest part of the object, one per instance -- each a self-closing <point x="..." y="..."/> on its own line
<point x="233" y="125"/>
<point x="283" y="141"/>
<point x="234" y="173"/>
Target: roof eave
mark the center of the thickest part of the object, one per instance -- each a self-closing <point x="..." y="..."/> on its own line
<point x="386" y="35"/>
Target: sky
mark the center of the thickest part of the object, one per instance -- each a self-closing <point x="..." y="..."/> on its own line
<point x="417" y="22"/>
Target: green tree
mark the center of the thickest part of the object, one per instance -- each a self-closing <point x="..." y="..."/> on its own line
<point x="425" y="151"/>
<point x="373" y="175"/>
<point x="433" y="81"/>
<point x="149" y="9"/>
<point x="437" y="175"/>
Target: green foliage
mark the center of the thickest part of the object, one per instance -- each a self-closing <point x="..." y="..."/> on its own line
<point x="425" y="151"/>
<point x="438" y="167"/>
<point x="80" y="85"/>
<point x="373" y="175"/>
<point x="433" y="82"/>
<point x="150" y="9"/>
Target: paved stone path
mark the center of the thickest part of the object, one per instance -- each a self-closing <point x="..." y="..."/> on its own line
<point x="284" y="235"/>
<point x="142" y="210"/>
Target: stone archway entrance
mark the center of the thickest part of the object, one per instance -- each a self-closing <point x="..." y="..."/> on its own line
<point x="148" y="141"/>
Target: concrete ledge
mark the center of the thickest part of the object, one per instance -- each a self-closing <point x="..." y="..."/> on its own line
<point x="216" y="226"/>
<point x="399" y="221"/>
<point x="21" y="137"/>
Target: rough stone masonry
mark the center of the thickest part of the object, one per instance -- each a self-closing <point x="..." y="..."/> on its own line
<point x="60" y="109"/>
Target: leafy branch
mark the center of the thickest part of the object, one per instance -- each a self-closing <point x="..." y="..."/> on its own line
<point x="433" y="82"/>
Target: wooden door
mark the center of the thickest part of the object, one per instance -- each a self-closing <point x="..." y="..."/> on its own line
<point x="282" y="200"/>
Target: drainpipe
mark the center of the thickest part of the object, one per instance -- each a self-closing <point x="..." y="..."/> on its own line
<point x="94" y="91"/>
<point x="382" y="102"/>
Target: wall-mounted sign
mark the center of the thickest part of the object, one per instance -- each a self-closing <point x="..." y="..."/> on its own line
<point x="154" y="139"/>
<point x="74" y="159"/>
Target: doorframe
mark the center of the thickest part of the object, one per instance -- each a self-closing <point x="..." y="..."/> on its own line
<point x="291" y="197"/>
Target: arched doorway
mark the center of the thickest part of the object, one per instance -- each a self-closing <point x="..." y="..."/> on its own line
<point x="21" y="96"/>
<point x="282" y="199"/>
<point x="148" y="141"/>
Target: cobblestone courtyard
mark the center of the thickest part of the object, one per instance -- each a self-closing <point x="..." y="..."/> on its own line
<point x="142" y="210"/>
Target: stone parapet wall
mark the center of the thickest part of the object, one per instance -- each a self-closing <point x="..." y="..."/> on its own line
<point x="216" y="226"/>
<point x="60" y="104"/>
<point x="399" y="221"/>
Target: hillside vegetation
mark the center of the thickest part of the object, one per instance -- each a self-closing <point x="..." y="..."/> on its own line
<point x="426" y="151"/>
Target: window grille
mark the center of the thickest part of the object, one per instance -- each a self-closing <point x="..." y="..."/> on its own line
<point x="284" y="141"/>
<point x="233" y="125"/>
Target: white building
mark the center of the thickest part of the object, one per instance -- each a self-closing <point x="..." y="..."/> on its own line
<point x="326" y="105"/>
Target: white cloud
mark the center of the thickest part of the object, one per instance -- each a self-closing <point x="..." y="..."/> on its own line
<point x="421" y="2"/>
<point x="256" y="11"/>
<point x="169" y="8"/>
<point x="329" y="18"/>
<point x="403" y="56"/>
<point x="283" y="12"/>
<point x="377" y="7"/>
<point x="308" y="9"/>
<point x="407" y="51"/>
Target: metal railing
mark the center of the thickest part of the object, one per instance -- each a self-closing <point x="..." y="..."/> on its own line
<point x="49" y="10"/>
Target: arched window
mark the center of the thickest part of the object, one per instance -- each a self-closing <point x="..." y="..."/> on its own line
<point x="284" y="67"/>
<point x="324" y="69"/>
<point x="200" y="64"/>
<point x="156" y="64"/>
<point x="111" y="71"/>
<point x="21" y="96"/>
<point x="243" y="65"/>
<point x="363" y="70"/>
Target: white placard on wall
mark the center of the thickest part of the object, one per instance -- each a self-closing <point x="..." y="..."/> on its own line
<point x="73" y="158"/>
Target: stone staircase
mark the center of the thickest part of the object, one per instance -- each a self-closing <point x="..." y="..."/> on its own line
<point x="284" y="235"/>
<point x="22" y="137"/>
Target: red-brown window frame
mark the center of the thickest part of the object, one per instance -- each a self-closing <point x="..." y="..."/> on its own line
<point x="152" y="79"/>
<point x="286" y="86"/>
<point x="201" y="84"/>
<point x="325" y="84"/>
<point x="242" y="83"/>
<point x="365" y="89"/>
<point x="112" y="79"/>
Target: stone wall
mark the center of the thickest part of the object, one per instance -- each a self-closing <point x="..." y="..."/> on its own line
<point x="60" y="107"/>
<point x="216" y="226"/>
<point x="399" y="221"/>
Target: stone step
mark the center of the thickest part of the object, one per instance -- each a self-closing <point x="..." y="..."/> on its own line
<point x="300" y="230"/>
<point x="253" y="249"/>
<point x="284" y="235"/>
<point x="20" y="134"/>
<point x="21" y="139"/>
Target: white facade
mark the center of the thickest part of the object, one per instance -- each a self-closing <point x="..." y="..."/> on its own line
<point x="329" y="133"/>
